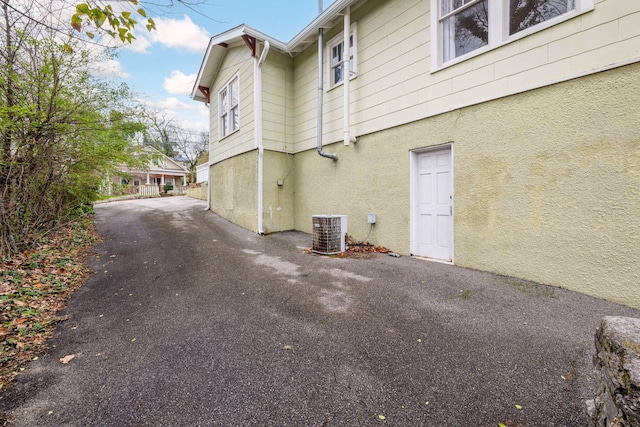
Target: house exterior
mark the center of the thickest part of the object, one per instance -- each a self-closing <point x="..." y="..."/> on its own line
<point x="161" y="170"/>
<point x="496" y="135"/>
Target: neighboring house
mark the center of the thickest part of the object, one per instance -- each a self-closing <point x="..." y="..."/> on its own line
<point x="161" y="170"/>
<point x="505" y="141"/>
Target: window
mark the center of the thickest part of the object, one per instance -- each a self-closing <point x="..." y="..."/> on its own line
<point x="228" y="110"/>
<point x="336" y="55"/>
<point x="465" y="26"/>
<point x="527" y="13"/>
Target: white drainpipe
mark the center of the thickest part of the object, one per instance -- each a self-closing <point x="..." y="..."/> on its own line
<point x="257" y="100"/>
<point x="347" y="75"/>
<point x="209" y="189"/>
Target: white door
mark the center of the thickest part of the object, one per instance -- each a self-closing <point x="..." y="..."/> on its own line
<point x="434" y="205"/>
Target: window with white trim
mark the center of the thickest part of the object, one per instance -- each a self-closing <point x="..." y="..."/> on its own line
<point x="336" y="56"/>
<point x="465" y="26"/>
<point x="228" y="109"/>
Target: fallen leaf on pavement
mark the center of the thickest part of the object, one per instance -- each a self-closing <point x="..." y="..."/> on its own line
<point x="67" y="359"/>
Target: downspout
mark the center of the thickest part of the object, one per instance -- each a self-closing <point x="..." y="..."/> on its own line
<point x="347" y="75"/>
<point x="257" y="99"/>
<point x="208" y="187"/>
<point x="320" y="94"/>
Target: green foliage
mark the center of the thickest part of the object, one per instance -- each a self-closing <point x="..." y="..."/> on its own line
<point x="61" y="131"/>
<point x="116" y="24"/>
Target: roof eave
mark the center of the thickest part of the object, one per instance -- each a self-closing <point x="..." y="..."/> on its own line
<point x="324" y="20"/>
<point x="216" y="51"/>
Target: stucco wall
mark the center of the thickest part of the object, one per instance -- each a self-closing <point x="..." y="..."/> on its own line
<point x="278" y="205"/>
<point x="234" y="195"/>
<point x="546" y="184"/>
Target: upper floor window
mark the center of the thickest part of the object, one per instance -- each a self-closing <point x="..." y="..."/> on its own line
<point x="465" y="26"/>
<point x="337" y="57"/>
<point x="527" y="13"/>
<point x="228" y="110"/>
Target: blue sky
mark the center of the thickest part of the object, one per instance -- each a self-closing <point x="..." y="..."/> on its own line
<point x="162" y="65"/>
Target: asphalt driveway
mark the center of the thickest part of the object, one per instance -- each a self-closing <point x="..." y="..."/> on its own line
<point x="192" y="321"/>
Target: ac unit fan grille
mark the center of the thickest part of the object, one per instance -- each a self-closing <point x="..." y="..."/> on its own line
<point x="329" y="234"/>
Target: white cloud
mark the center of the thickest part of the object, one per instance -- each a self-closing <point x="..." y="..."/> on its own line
<point x="203" y="110"/>
<point x="180" y="34"/>
<point x="179" y="83"/>
<point x="175" y="104"/>
<point x="109" y="68"/>
<point x="139" y="45"/>
<point x="193" y="125"/>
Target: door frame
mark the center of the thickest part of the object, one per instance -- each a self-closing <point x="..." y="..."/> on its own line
<point x="413" y="198"/>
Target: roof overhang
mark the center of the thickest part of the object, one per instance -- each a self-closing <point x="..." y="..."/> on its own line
<point x="218" y="45"/>
<point x="239" y="35"/>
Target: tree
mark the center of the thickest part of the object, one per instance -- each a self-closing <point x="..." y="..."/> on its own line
<point x="157" y="133"/>
<point x="61" y="129"/>
<point x="116" y="24"/>
<point x="175" y="141"/>
<point x="190" y="146"/>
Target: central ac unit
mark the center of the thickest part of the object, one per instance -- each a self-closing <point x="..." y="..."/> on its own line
<point x="329" y="232"/>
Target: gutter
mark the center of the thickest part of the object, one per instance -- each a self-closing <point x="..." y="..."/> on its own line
<point x="324" y="19"/>
<point x="257" y="128"/>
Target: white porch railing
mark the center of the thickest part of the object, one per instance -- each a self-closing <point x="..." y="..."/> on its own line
<point x="148" y="191"/>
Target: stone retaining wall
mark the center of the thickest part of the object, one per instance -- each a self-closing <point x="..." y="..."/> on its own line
<point x="617" y="362"/>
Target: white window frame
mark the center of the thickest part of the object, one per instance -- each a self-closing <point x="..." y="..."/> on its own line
<point x="498" y="29"/>
<point x="226" y="124"/>
<point x="353" y="58"/>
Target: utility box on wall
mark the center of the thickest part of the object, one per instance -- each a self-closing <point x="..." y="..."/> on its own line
<point x="329" y="233"/>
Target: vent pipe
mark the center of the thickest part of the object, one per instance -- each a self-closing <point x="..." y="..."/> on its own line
<point x="321" y="89"/>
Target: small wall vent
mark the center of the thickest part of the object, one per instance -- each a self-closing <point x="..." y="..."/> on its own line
<point x="329" y="233"/>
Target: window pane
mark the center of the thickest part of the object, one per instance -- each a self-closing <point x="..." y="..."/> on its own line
<point x="235" y="123"/>
<point x="337" y="74"/>
<point x="234" y="93"/>
<point x="527" y="13"/>
<point x="223" y="102"/>
<point x="336" y="54"/>
<point x="451" y="5"/>
<point x="466" y="31"/>
<point x="223" y="125"/>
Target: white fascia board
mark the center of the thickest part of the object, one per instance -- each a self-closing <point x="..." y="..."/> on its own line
<point x="216" y="51"/>
<point x="323" y="20"/>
